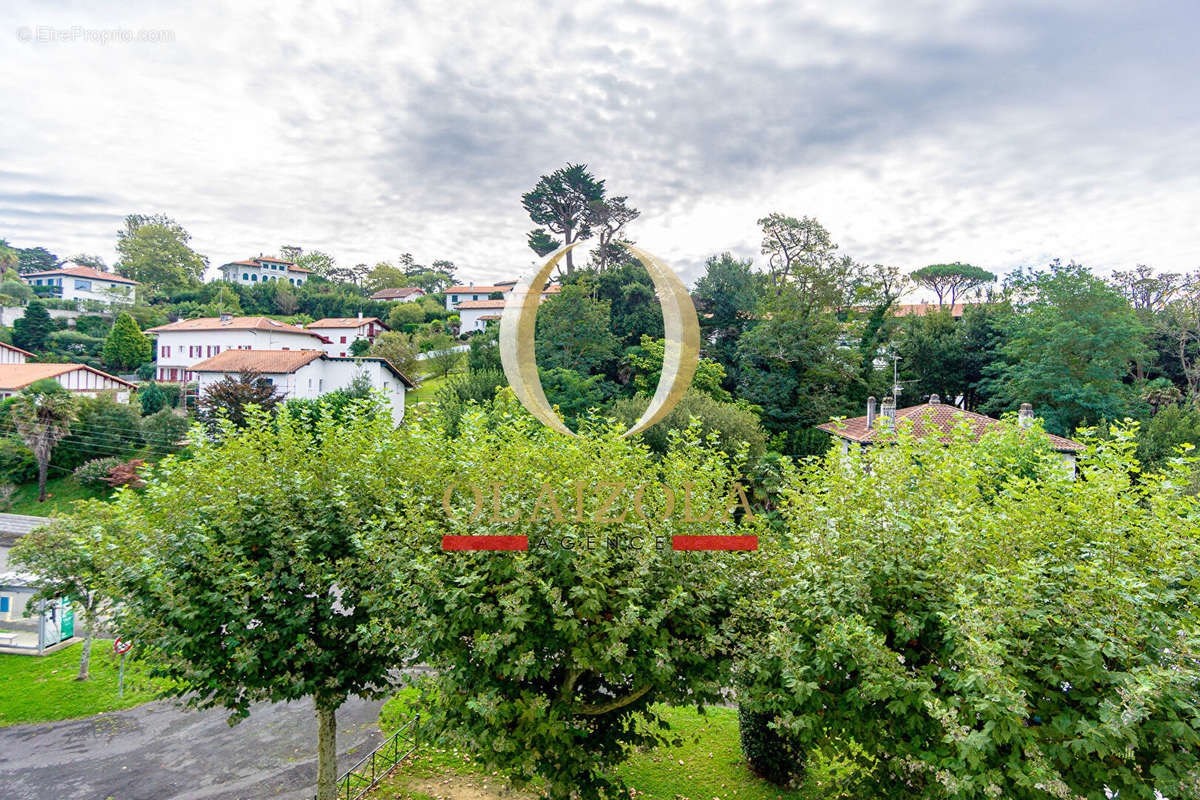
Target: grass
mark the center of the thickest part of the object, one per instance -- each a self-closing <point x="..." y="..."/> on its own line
<point x="61" y="492"/>
<point x="707" y="764"/>
<point x="34" y="689"/>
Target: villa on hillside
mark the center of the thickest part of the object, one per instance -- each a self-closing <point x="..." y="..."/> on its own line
<point x="343" y="332"/>
<point x="182" y="344"/>
<point x="264" y="268"/>
<point x="932" y="419"/>
<point x="306" y="373"/>
<point x="82" y="283"/>
<point x="474" y="315"/>
<point x="407" y="294"/>
<point x="456" y="295"/>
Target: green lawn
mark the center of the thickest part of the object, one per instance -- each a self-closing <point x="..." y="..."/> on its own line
<point x="426" y="389"/>
<point x="44" y="689"/>
<point x="61" y="492"/>
<point x="706" y="765"/>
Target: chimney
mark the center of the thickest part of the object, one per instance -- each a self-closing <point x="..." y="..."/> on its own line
<point x="360" y="315"/>
<point x="1025" y="416"/>
<point x="888" y="411"/>
<point x="870" y="412"/>
<point x="226" y="316"/>
<point x="934" y="400"/>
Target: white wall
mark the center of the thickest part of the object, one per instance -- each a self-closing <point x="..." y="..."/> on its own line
<point x="8" y="314"/>
<point x="180" y="350"/>
<point x="338" y="348"/>
<point x="256" y="275"/>
<point x="472" y="319"/>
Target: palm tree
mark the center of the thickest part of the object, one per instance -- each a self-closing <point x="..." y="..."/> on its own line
<point x="43" y="416"/>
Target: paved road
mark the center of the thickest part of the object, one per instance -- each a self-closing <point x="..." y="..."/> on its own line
<point x="159" y="751"/>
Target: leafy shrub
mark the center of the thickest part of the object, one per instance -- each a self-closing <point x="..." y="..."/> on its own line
<point x="102" y="427"/>
<point x="152" y="398"/>
<point x="94" y="474"/>
<point x="146" y="371"/>
<point x="17" y="464"/>
<point x="127" y="473"/>
<point x="163" y="430"/>
<point x="472" y="386"/>
<point x="92" y="325"/>
<point x="1027" y="637"/>
<point x="773" y="757"/>
<point x="174" y="393"/>
<point x="733" y="425"/>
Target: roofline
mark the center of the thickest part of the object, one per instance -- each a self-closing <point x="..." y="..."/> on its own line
<point x="18" y="349"/>
<point x="381" y="360"/>
<point x="64" y="271"/>
<point x="834" y="427"/>
<point x="73" y="367"/>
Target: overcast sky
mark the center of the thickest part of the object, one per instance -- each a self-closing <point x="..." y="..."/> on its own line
<point x="999" y="133"/>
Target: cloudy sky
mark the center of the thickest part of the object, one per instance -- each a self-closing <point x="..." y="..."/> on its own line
<point x="999" y="133"/>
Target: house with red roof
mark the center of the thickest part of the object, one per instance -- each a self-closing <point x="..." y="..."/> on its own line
<point x="405" y="294"/>
<point x="76" y="282"/>
<point x="180" y="345"/>
<point x="252" y="271"/>
<point x="343" y="332"/>
<point x="933" y="419"/>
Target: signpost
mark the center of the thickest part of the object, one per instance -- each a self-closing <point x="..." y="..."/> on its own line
<point x="122" y="649"/>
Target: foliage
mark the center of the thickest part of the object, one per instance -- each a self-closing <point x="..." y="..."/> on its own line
<point x="573" y="394"/>
<point x="152" y="398"/>
<point x="574" y="331"/>
<point x="74" y="556"/>
<point x="1160" y="437"/>
<point x="773" y="757"/>
<point x="360" y="347"/>
<point x="43" y="413"/>
<point x="951" y="281"/>
<point x="1068" y="348"/>
<point x="405" y="313"/>
<point x="94" y="474"/>
<point x="460" y="391"/>
<point x="36" y="259"/>
<point x="483" y="351"/>
<point x="801" y="254"/>
<point x="441" y="356"/>
<point x="231" y="397"/>
<point x="399" y="349"/>
<point x="546" y="663"/>
<point x="646" y="363"/>
<point x="126" y="346"/>
<point x="127" y="473"/>
<point x="561" y="202"/>
<point x="249" y="579"/>
<point x="18" y="290"/>
<point x="983" y="627"/>
<point x="102" y="427"/>
<point x="31" y="331"/>
<point x="541" y="242"/>
<point x="163" y="431"/>
<point x="154" y="250"/>
<point x="17" y="464"/>
<point x="732" y="428"/>
<point x="727" y="297"/>
<point x="634" y="311"/>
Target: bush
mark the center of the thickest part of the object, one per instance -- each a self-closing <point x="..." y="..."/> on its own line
<point x="163" y="430"/>
<point x="980" y="636"/>
<point x="734" y="426"/>
<point x="174" y="393"/>
<point x="152" y="398"/>
<point x="773" y="757"/>
<point x="16" y="461"/>
<point x="102" y="427"/>
<point x="94" y="474"/>
<point x="146" y="371"/>
<point x="458" y="392"/>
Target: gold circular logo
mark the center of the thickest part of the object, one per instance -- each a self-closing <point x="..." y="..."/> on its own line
<point x="680" y="356"/>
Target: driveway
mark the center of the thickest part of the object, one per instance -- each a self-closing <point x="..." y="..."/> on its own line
<point x="159" y="751"/>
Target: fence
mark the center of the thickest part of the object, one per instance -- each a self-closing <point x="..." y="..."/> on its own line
<point x="379" y="763"/>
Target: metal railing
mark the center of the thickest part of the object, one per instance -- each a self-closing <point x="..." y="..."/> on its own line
<point x="379" y="763"/>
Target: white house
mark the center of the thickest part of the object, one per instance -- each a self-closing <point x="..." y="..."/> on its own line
<point x="10" y="354"/>
<point x="407" y="294"/>
<point x="457" y="295"/>
<point x="187" y="342"/>
<point x="306" y="373"/>
<point x="78" y="378"/>
<point x="82" y="283"/>
<point x="264" y="268"/>
<point x="474" y="315"/>
<point x="342" y="332"/>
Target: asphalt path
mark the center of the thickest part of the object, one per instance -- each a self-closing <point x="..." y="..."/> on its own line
<point x="159" y="751"/>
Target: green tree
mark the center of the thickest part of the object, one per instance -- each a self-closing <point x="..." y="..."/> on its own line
<point x="574" y="331"/>
<point x="542" y="243"/>
<point x="154" y="250"/>
<point x="1070" y="345"/>
<point x="551" y="663"/>
<point x="970" y="617"/>
<point x="232" y="397"/>
<point x="252" y="580"/>
<point x="561" y="201"/>
<point x="952" y="281"/>
<point x="385" y="276"/>
<point x="31" y="330"/>
<point x="319" y="262"/>
<point x="36" y="259"/>
<point x="801" y="252"/>
<point x="441" y="356"/>
<point x="164" y="432"/>
<point x="42" y="414"/>
<point x="73" y="558"/>
<point x="933" y="356"/>
<point x="101" y="427"/>
<point x="405" y="314"/>
<point x="400" y="350"/>
<point x="18" y="290"/>
<point x="360" y="347"/>
<point x="608" y="217"/>
<point x="126" y="346"/>
<point x="646" y="362"/>
<point x="151" y="398"/>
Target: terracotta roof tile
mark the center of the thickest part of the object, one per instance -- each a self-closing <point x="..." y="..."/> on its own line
<point x="388" y="294"/>
<point x="342" y="322"/>
<point x="268" y="361"/>
<point x="82" y="272"/>
<point x="469" y="304"/>
<point x="18" y="376"/>
<point x="931" y="419"/>
<point x="232" y="324"/>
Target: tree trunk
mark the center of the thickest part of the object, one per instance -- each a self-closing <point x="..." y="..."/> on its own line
<point x="85" y="658"/>
<point x="43" y="468"/>
<point x="326" y="753"/>
<point x="567" y="239"/>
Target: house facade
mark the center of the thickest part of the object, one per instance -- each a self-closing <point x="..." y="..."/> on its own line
<point x="307" y="374"/>
<point x="82" y="283"/>
<point x="264" y="268"/>
<point x="343" y="332"/>
<point x="474" y="315"/>
<point x="77" y="378"/>
<point x="10" y="354"/>
<point x="407" y="294"/>
<point x="180" y="345"/>
<point x="457" y="295"/>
